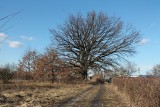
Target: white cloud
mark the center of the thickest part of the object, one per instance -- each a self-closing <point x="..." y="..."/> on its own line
<point x="11" y="44"/>
<point x="14" y="44"/>
<point x="2" y="36"/>
<point x="144" y="41"/>
<point x="27" y="38"/>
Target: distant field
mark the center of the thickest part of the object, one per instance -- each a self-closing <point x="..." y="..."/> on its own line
<point x="143" y="92"/>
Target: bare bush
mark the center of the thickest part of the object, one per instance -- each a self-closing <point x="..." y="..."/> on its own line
<point x="6" y="73"/>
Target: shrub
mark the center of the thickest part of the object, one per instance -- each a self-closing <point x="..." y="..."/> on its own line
<point x="5" y="74"/>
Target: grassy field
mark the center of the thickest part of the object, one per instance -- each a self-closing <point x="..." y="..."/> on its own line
<point x="122" y="92"/>
<point x="27" y="93"/>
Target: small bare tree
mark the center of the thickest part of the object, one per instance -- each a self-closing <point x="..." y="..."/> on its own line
<point x="155" y="70"/>
<point x="95" y="41"/>
<point x="126" y="70"/>
<point x="27" y="64"/>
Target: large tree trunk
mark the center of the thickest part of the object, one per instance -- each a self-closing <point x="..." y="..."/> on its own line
<point x="84" y="74"/>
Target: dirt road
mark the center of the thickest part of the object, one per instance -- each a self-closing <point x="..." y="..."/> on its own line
<point x="96" y="96"/>
<point x="62" y="95"/>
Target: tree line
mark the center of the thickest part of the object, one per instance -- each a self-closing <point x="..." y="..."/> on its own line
<point x="40" y="67"/>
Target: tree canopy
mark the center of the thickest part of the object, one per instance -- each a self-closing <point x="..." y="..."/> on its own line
<point x="96" y="40"/>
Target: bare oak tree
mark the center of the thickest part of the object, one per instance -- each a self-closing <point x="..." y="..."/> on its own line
<point x="95" y="41"/>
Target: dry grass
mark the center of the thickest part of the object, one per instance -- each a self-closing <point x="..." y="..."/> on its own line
<point x="143" y="92"/>
<point x="119" y="96"/>
<point x="29" y="93"/>
<point x="43" y="94"/>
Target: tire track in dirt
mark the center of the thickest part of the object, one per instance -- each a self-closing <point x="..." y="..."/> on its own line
<point x="98" y="99"/>
<point x="72" y="101"/>
<point x="95" y="96"/>
<point x="85" y="101"/>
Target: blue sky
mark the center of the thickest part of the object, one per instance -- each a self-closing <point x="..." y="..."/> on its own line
<point x="30" y="28"/>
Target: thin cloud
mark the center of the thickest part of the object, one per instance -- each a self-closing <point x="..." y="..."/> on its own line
<point x="144" y="41"/>
<point x="2" y="36"/>
<point x="11" y="44"/>
<point x="14" y="44"/>
<point x="27" y="38"/>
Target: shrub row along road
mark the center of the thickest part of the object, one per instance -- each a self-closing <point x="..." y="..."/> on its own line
<point x="96" y="96"/>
